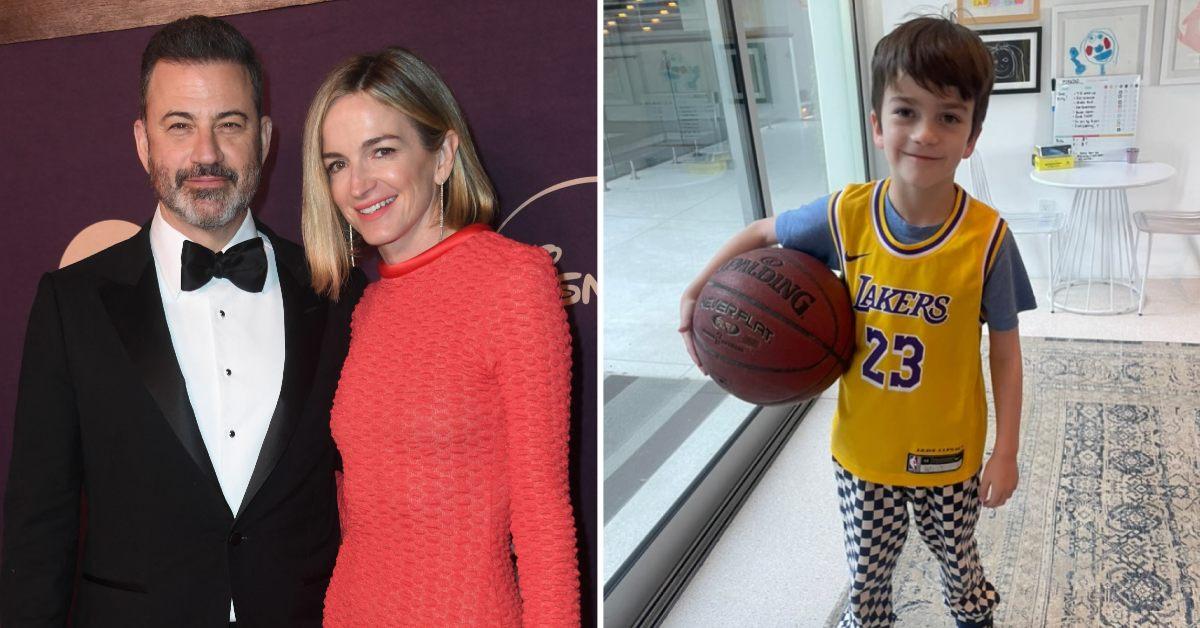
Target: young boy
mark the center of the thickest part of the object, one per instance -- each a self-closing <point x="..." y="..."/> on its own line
<point x="926" y="265"/>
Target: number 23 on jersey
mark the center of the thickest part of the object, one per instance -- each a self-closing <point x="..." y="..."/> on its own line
<point x="909" y="348"/>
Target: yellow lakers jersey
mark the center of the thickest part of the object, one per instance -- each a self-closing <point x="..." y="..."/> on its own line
<point x="912" y="409"/>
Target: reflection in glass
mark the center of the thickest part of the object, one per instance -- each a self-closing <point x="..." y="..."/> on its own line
<point x="681" y="176"/>
<point x="674" y="188"/>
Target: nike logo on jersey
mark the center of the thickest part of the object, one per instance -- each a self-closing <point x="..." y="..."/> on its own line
<point x="851" y="258"/>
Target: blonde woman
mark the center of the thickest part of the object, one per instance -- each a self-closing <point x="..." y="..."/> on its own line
<point x="452" y="410"/>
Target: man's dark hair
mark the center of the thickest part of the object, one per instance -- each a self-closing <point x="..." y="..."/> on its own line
<point x="200" y="39"/>
<point x="938" y="55"/>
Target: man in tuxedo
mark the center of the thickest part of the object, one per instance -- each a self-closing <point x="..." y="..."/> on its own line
<point x="175" y="388"/>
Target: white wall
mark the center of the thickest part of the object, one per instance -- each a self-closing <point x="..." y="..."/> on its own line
<point x="1168" y="131"/>
<point x="833" y="46"/>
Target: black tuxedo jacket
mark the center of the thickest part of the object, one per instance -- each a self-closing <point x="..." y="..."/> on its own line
<point x="103" y="413"/>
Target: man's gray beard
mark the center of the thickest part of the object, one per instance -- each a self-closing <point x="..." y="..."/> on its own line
<point x="171" y="194"/>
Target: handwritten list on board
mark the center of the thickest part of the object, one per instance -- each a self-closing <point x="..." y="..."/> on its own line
<point x="1096" y="115"/>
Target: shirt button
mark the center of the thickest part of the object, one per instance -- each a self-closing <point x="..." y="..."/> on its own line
<point x="232" y="434"/>
<point x="235" y="538"/>
<point x="228" y="372"/>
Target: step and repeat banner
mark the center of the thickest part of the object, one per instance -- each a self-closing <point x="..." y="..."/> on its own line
<point x="524" y="73"/>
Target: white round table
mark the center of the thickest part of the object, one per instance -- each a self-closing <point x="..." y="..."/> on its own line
<point x="1099" y="247"/>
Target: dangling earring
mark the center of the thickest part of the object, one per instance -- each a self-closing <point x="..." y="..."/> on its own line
<point x="350" y="241"/>
<point x="441" y="211"/>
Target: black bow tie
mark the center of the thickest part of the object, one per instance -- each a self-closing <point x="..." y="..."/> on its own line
<point x="244" y="264"/>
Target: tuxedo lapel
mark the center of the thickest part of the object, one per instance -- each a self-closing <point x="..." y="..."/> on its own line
<point x="303" y="326"/>
<point x="136" y="311"/>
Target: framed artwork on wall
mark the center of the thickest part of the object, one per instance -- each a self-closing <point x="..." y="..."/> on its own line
<point x="1181" y="43"/>
<point x="1017" y="58"/>
<point x="996" y="11"/>
<point x="1101" y="39"/>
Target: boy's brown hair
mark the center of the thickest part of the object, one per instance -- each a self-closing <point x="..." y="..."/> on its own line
<point x="938" y="55"/>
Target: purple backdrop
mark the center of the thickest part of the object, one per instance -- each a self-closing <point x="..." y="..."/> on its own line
<point x="524" y="73"/>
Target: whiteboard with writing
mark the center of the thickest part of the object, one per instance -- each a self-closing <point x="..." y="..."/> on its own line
<point x="1096" y="115"/>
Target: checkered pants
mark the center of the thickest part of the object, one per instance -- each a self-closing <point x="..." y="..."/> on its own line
<point x="875" y="518"/>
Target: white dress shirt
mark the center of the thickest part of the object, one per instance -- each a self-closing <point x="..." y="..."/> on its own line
<point x="230" y="347"/>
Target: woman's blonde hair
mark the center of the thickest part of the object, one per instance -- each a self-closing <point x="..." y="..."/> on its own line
<point x="394" y="77"/>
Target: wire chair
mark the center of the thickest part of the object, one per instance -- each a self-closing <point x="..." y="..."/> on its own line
<point x="1152" y="222"/>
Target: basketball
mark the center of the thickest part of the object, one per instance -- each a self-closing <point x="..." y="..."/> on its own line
<point x="774" y="326"/>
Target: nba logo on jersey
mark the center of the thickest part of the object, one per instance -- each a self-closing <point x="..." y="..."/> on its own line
<point x="942" y="463"/>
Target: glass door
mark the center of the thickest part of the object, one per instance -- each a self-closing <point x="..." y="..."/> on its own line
<point x="712" y="118"/>
<point x="679" y="180"/>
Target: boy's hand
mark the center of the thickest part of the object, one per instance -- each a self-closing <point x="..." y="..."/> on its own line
<point x="686" y="305"/>
<point x="756" y="235"/>
<point x="999" y="480"/>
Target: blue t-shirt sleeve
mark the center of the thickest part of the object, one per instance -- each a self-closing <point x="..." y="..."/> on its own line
<point x="806" y="229"/>
<point x="1007" y="290"/>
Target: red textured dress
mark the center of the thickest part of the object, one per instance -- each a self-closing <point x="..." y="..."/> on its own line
<point x="452" y="417"/>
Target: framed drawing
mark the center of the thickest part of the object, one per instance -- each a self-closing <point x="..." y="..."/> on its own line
<point x="1017" y="58"/>
<point x="1101" y="39"/>
<point x="996" y="11"/>
<point x="1181" y="43"/>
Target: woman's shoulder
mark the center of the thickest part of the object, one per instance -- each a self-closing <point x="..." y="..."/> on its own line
<point x="506" y="268"/>
<point x="503" y="254"/>
<point x="505" y="245"/>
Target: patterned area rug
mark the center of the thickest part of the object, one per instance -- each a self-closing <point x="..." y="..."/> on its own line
<point x="1104" y="529"/>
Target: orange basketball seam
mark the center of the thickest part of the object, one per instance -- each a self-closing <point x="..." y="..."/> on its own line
<point x="807" y="393"/>
<point x="766" y="369"/>
<point x="817" y="281"/>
